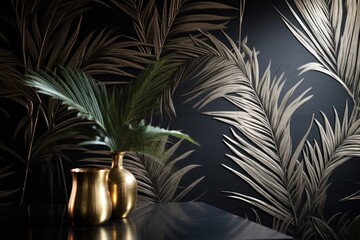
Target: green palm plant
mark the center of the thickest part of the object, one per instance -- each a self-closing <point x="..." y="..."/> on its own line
<point x="118" y="116"/>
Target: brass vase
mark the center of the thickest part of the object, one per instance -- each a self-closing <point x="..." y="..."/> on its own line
<point x="90" y="202"/>
<point x="122" y="187"/>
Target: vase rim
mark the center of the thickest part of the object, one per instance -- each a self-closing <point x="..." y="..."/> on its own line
<point x="89" y="169"/>
<point x="118" y="153"/>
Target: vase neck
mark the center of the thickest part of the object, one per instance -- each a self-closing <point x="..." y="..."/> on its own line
<point x="117" y="160"/>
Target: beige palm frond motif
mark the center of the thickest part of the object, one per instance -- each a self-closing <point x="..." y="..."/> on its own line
<point x="331" y="33"/>
<point x="160" y="181"/>
<point x="260" y="141"/>
<point x="160" y="28"/>
<point x="163" y="26"/>
<point x="337" y="145"/>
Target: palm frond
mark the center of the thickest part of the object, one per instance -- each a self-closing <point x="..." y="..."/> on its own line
<point x="142" y="96"/>
<point x="55" y="23"/>
<point x="338" y="143"/>
<point x="354" y="196"/>
<point x="76" y="92"/>
<point x="329" y="30"/>
<point x="323" y="230"/>
<point x="161" y="28"/>
<point x="261" y="142"/>
<point x="7" y="193"/>
<point x="176" y="18"/>
<point x="159" y="180"/>
<point x="102" y="53"/>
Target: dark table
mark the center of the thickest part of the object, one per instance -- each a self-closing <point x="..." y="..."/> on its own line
<point x="181" y="220"/>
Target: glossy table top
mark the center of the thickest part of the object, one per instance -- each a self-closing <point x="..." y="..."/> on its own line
<point x="181" y="220"/>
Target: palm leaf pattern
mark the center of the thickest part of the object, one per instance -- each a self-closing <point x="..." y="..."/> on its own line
<point x="159" y="180"/>
<point x="329" y="30"/>
<point x="36" y="50"/>
<point x="261" y="141"/>
<point x="293" y="211"/>
<point x="161" y="28"/>
<point x="337" y="145"/>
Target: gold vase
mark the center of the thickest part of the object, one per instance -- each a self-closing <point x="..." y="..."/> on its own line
<point x="90" y="202"/>
<point x="122" y="187"/>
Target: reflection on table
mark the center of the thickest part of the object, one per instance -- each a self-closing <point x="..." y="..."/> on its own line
<point x="183" y="220"/>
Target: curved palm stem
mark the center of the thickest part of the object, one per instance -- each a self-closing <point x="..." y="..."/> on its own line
<point x="31" y="136"/>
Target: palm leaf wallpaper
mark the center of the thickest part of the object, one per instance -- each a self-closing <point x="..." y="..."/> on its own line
<point x="270" y="90"/>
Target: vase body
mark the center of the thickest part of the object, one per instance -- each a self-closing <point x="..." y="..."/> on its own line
<point x="122" y="187"/>
<point x="90" y="202"/>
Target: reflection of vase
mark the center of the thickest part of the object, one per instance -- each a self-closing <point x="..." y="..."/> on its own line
<point x="119" y="229"/>
<point x="123" y="229"/>
<point x="90" y="202"/>
<point x="122" y="187"/>
<point x="90" y="233"/>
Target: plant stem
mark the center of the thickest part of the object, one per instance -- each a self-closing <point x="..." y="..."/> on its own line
<point x="44" y="40"/>
<point x="33" y="119"/>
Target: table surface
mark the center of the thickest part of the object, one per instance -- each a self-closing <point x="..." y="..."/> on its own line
<point x="180" y="220"/>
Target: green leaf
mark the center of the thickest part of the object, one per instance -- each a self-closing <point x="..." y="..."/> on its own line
<point x="118" y="115"/>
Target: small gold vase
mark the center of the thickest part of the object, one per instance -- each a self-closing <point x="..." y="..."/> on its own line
<point x="90" y="202"/>
<point x="122" y="187"/>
